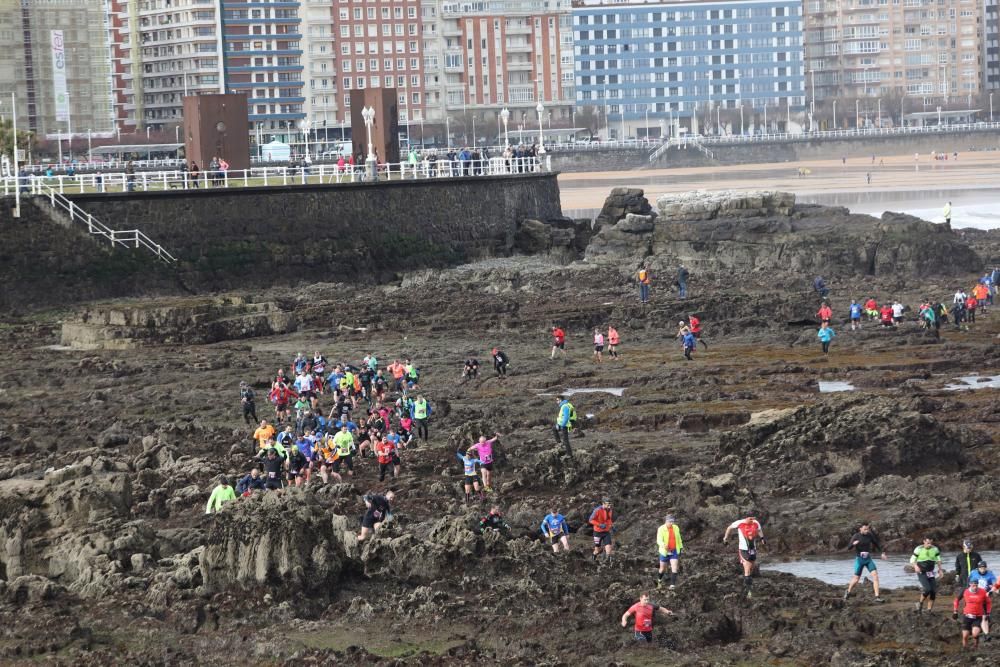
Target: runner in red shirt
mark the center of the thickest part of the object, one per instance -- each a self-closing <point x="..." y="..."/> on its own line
<point x="558" y="341"/>
<point x="977" y="606"/>
<point x="871" y="308"/>
<point x="385" y="450"/>
<point x="644" y="611"/>
<point x="694" y="324"/>
<point x="971" y="304"/>
<point x="885" y="315"/>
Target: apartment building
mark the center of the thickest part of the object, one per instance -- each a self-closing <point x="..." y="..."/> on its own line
<point x="74" y="96"/>
<point x="163" y="50"/>
<point x="927" y="49"/>
<point x="263" y="58"/>
<point x="644" y="65"/>
<point x="481" y="56"/>
<point x="991" y="45"/>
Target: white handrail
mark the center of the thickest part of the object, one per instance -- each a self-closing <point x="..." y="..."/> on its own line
<point x="126" y="238"/>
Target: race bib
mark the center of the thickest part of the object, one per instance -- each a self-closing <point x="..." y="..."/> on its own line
<point x="864" y="555"/>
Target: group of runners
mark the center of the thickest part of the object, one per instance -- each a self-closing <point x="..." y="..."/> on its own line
<point x="931" y="313"/>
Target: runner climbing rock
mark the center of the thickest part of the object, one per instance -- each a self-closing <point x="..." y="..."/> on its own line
<point x="221" y="495"/>
<point x="378" y="509"/>
<point x="471" y="478"/>
<point x="500" y="362"/>
<point x="602" y="521"/>
<point x="565" y="420"/>
<point x="554" y="528"/>
<point x="558" y="341"/>
<point x="825" y="335"/>
<point x="977" y="608"/>
<point x="248" y="405"/>
<point x="484" y="450"/>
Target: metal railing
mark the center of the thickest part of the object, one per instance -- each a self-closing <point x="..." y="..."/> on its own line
<point x="272" y="176"/>
<point x="130" y="238"/>
<point x="699" y="141"/>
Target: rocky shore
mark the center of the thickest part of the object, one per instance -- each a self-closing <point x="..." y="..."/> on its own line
<point x="119" y="417"/>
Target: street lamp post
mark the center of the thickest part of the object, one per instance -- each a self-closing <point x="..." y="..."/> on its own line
<point x="647" y="125"/>
<point x="991" y="107"/>
<point x="857" y="115"/>
<point x="368" y="114"/>
<point x="718" y="120"/>
<point x="505" y="116"/>
<point x="305" y="134"/>
<point x="447" y="130"/>
<point x="540" y="109"/>
<point x="741" y="118"/>
<point x="177" y="134"/>
<point x="812" y="104"/>
<point x="835" y="114"/>
<point x="88" y="145"/>
<point x="17" y="169"/>
<point x="939" y="116"/>
<point x="765" y="117"/>
<point x="879" y="116"/>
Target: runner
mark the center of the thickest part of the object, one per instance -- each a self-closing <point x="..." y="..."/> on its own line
<point x="689" y="342"/>
<point x="644" y="280"/>
<point x="221" y="495"/>
<point x="682" y="280"/>
<point x="281" y="397"/>
<point x="378" y="510"/>
<point x="897" y="312"/>
<point x="325" y="456"/>
<point x="558" y="341"/>
<point x="248" y="405"/>
<point x="748" y="530"/>
<point x="555" y="529"/>
<point x="694" y="324"/>
<point x="855" y="315"/>
<point x="865" y="542"/>
<point x="871" y="308"/>
<point x="971" y="304"/>
<point x="249" y="483"/>
<point x="598" y="345"/>
<point x="644" y="611"/>
<point x="471" y="370"/>
<point x="825" y="335"/>
<point x="263" y="434"/>
<point x="988" y="582"/>
<point x="420" y="412"/>
<point x="965" y="564"/>
<point x="602" y="520"/>
<point x="494" y="521"/>
<point x="385" y="450"/>
<point x="273" y="466"/>
<point x="565" y="421"/>
<point x="925" y="557"/>
<point x="613" y="342"/>
<point x="298" y="466"/>
<point x="824" y="313"/>
<point x="500" y="362"/>
<point x="471" y="477"/>
<point x="885" y="316"/>
<point x="484" y="449"/>
<point x="343" y="441"/>
<point x="978" y="608"/>
<point x="670" y="544"/>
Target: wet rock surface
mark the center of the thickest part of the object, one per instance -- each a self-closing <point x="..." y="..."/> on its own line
<point x="108" y="457"/>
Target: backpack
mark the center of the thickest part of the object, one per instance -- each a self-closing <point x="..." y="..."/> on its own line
<point x="572" y="416"/>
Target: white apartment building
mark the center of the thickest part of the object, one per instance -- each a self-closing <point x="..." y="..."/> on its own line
<point x="164" y="49"/>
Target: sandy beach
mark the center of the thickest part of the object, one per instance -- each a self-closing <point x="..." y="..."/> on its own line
<point x="893" y="178"/>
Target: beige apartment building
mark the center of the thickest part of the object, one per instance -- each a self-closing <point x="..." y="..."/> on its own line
<point x="27" y="33"/>
<point x="930" y="50"/>
<point x="163" y="49"/>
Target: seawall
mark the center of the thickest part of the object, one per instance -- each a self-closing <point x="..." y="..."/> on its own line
<point x="257" y="237"/>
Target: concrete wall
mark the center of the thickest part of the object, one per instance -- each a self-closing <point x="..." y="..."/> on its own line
<point x="263" y="236"/>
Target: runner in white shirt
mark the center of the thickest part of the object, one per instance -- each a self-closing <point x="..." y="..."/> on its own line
<point x="749" y="531"/>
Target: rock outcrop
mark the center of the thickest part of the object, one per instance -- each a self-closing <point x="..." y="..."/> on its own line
<point x="843" y="442"/>
<point x="287" y="542"/>
<point x="766" y="232"/>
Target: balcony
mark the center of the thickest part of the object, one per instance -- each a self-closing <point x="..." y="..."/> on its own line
<point x="519" y="66"/>
<point x="454" y="69"/>
<point x="452" y="31"/>
<point x="518" y="29"/>
<point x="518" y="48"/>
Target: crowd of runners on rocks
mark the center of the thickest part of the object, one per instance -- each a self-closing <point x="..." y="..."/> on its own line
<point x="333" y="420"/>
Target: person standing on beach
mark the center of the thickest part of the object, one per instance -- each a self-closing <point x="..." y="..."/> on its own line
<point x="825" y="335"/>
<point x="947" y="213"/>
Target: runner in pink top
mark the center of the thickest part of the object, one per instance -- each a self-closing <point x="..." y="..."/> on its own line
<point x="484" y="449"/>
<point x="598" y="344"/>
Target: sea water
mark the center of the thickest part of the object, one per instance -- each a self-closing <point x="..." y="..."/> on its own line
<point x="838" y="570"/>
